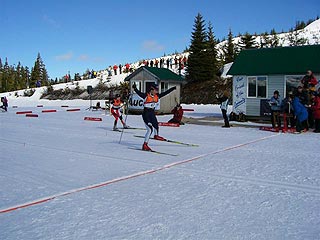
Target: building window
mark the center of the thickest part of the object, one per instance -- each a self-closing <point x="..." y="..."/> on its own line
<point x="252" y="87"/>
<point x="164" y="86"/>
<point x="292" y="83"/>
<point x="257" y="87"/>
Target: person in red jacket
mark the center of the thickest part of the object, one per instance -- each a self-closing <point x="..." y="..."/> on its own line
<point x="177" y="115"/>
<point x="116" y="111"/>
<point x="316" y="111"/>
<point x="309" y="81"/>
<point x="115" y="67"/>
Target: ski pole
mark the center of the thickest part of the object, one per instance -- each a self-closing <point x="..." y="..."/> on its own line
<point x="125" y="120"/>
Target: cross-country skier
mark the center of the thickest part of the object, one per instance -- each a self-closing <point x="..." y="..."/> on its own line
<point x="151" y="99"/>
<point x="116" y="111"/>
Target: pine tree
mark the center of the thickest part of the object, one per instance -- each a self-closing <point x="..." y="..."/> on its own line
<point x="229" y="50"/>
<point x="5" y="76"/>
<point x="274" y="39"/>
<point x="247" y="41"/>
<point x="264" y="40"/>
<point x="295" y="39"/>
<point x="198" y="68"/>
<point x="212" y="52"/>
<point x="38" y="73"/>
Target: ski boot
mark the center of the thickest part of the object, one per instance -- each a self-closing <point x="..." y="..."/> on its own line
<point x="145" y="147"/>
<point x="157" y="137"/>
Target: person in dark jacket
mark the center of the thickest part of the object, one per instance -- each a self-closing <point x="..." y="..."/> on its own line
<point x="224" y="102"/>
<point x="316" y="111"/>
<point x="275" y="104"/>
<point x="302" y="95"/>
<point x="309" y="81"/>
<point x="286" y="107"/>
<point x="177" y="115"/>
<point x="301" y="114"/>
<point x="4" y="101"/>
<point x="151" y="100"/>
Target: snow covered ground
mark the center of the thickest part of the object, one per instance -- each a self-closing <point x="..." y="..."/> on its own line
<point x="74" y="180"/>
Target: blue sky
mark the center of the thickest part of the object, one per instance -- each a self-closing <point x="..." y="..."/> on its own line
<point x="75" y="35"/>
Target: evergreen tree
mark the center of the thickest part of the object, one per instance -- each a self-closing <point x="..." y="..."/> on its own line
<point x="197" y="67"/>
<point x="264" y="40"/>
<point x="5" y="76"/>
<point x="19" y="83"/>
<point x="295" y="39"/>
<point x="229" y="49"/>
<point x="38" y="73"/>
<point x="300" y="25"/>
<point x="212" y="52"/>
<point x="274" y="39"/>
<point x="25" y="73"/>
<point x="247" y="41"/>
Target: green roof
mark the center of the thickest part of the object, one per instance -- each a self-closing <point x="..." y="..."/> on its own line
<point x="162" y="74"/>
<point x="282" y="60"/>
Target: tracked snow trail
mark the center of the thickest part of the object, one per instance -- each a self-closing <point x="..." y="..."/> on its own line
<point x="239" y="183"/>
<point x="102" y="184"/>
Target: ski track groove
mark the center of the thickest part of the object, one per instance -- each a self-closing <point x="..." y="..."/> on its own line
<point x="255" y="181"/>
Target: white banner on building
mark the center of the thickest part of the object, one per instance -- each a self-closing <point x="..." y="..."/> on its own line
<point x="239" y="94"/>
<point x="136" y="102"/>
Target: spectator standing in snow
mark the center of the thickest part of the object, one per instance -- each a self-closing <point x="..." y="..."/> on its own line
<point x="151" y="100"/>
<point x="309" y="81"/>
<point x="168" y="62"/>
<point x="127" y="67"/>
<point x="316" y="111"/>
<point x="224" y="102"/>
<point x="115" y="67"/>
<point x="275" y="104"/>
<point x="171" y="63"/>
<point x="286" y="107"/>
<point x="38" y="83"/>
<point x="301" y="114"/>
<point x="177" y="115"/>
<point x="120" y="68"/>
<point x="161" y="62"/>
<point x="4" y="101"/>
<point x="302" y="95"/>
<point x="184" y="60"/>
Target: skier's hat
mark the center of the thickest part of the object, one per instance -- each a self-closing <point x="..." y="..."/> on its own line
<point x="154" y="86"/>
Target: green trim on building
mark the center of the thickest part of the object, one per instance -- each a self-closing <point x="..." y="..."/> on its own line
<point x="281" y="60"/>
<point x="162" y="74"/>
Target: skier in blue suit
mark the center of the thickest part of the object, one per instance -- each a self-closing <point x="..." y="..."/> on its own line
<point x="301" y="114"/>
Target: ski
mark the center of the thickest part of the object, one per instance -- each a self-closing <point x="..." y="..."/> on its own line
<point x="134" y="128"/>
<point x="120" y="131"/>
<point x="154" y="151"/>
<point x="172" y="141"/>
